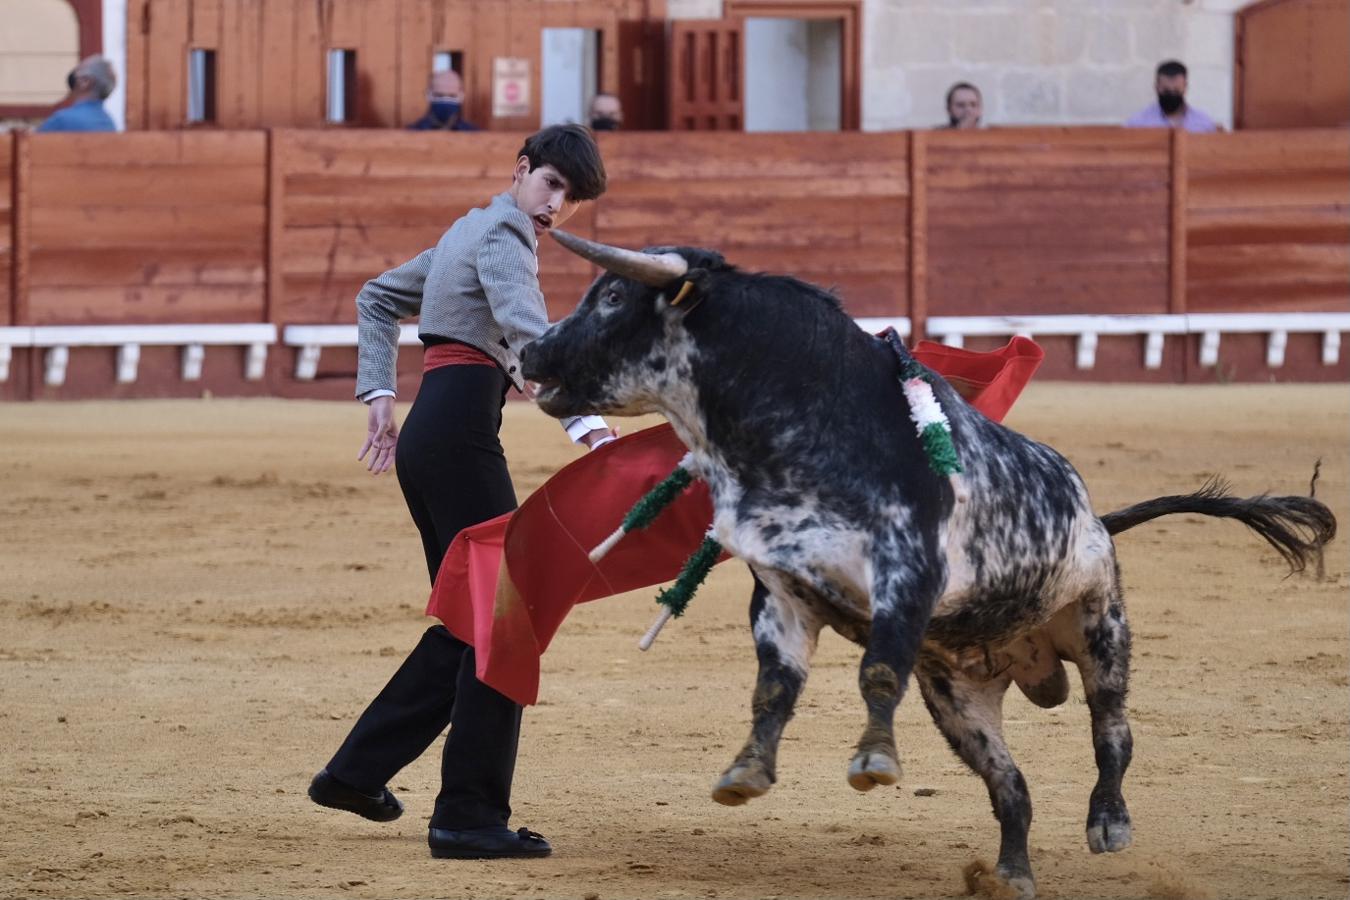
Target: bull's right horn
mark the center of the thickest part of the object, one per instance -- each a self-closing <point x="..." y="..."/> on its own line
<point x="655" y="269"/>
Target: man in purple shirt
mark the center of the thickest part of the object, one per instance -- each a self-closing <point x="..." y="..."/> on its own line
<point x="90" y="84"/>
<point x="1172" y="110"/>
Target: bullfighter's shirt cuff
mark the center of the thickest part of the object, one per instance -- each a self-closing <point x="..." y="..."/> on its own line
<point x="580" y="426"/>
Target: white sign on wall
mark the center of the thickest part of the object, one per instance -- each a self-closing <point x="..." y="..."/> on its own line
<point x="510" y="86"/>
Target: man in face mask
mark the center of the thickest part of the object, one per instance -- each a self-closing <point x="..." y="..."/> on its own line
<point x="90" y="83"/>
<point x="1171" y="110"/>
<point x="445" y="105"/>
<point x="606" y="113"/>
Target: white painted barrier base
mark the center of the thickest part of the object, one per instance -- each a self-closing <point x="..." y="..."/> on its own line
<point x="311" y="339"/>
<point x="128" y="339"/>
<point x="953" y="330"/>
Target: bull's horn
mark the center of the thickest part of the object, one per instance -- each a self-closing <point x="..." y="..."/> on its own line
<point x="655" y="269"/>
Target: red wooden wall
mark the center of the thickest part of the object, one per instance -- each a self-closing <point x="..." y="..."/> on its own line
<point x="8" y="186"/>
<point x="165" y="227"/>
<point x="834" y="212"/>
<point x="1048" y="221"/>
<point x="1268" y="221"/>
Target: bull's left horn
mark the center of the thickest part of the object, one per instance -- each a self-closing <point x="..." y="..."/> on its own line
<point x="655" y="269"/>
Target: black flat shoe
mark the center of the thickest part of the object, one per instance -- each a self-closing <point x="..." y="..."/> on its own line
<point x="326" y="790"/>
<point x="495" y="842"/>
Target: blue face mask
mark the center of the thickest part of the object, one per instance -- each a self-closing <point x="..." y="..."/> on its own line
<point x="445" y="110"/>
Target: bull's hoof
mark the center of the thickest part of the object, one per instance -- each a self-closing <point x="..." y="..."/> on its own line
<point x="741" y="783"/>
<point x="1108" y="823"/>
<point x="1004" y="882"/>
<point x="1023" y="885"/>
<point x="1109" y="837"/>
<point x="869" y="768"/>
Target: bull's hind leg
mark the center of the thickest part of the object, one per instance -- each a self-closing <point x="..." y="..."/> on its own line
<point x="1094" y="633"/>
<point x="969" y="713"/>
<point x="902" y="600"/>
<point x="785" y="638"/>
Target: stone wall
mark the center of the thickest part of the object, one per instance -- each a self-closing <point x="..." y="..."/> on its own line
<point x="1037" y="62"/>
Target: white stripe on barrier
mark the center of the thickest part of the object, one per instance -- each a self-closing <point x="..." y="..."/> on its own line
<point x="1211" y="327"/>
<point x="12" y="336"/>
<point x="311" y="339"/>
<point x="58" y="339"/>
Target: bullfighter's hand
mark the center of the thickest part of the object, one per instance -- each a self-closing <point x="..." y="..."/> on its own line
<point x="381" y="436"/>
<point x="599" y="437"/>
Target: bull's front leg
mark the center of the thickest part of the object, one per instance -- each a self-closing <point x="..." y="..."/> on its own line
<point x="904" y="591"/>
<point x="785" y="637"/>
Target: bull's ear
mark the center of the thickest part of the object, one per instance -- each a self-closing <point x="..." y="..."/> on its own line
<point x="683" y="295"/>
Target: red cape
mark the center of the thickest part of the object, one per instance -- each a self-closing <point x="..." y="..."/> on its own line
<point x="506" y="585"/>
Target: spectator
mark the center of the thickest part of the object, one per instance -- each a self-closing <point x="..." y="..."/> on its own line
<point x="1171" y="110"/>
<point x="445" y="104"/>
<point x="964" y="106"/>
<point x="90" y="84"/>
<point x="606" y="113"/>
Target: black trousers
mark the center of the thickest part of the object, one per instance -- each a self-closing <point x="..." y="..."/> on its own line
<point x="453" y="474"/>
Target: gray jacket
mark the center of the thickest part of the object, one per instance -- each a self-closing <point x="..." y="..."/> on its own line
<point x="478" y="285"/>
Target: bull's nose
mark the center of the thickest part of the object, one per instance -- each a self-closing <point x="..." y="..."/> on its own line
<point x="529" y="356"/>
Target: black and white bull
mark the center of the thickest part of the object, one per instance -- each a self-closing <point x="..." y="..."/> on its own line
<point x="796" y="419"/>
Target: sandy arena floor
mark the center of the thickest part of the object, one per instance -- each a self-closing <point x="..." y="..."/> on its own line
<point x="196" y="598"/>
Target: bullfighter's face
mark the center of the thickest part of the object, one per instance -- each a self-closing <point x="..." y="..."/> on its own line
<point x="614" y="354"/>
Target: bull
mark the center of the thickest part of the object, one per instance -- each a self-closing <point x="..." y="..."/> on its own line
<point x="797" y="421"/>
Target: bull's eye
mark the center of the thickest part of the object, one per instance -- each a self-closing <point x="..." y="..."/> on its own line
<point x="611" y="299"/>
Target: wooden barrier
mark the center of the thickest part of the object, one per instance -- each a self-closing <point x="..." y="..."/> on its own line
<point x="152" y="227"/>
<point x="8" y="185"/>
<point x="834" y="212"/>
<point x="1048" y="221"/>
<point x="1268" y="221"/>
<point x="283" y="227"/>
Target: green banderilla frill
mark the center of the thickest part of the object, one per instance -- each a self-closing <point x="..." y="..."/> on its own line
<point x="645" y="511"/>
<point x="695" y="570"/>
<point x="938" y="447"/>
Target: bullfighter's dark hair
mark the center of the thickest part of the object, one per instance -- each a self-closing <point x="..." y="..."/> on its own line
<point x="572" y="151"/>
<point x="1171" y="68"/>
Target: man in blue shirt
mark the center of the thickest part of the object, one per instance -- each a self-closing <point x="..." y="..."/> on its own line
<point x="90" y="84"/>
<point x="445" y="104"/>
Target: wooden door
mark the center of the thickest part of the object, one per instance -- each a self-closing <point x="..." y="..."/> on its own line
<point x="642" y="74"/>
<point x="707" y="68"/>
<point x="1293" y="64"/>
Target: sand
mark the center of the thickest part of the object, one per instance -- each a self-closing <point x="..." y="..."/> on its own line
<point x="197" y="597"/>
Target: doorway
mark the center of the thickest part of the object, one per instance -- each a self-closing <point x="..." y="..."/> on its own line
<point x="570" y="78"/>
<point x="792" y="74"/>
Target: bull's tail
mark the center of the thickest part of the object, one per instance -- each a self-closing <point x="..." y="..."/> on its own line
<point x="1297" y="527"/>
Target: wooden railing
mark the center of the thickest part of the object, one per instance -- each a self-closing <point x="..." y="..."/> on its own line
<point x="282" y="227"/>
